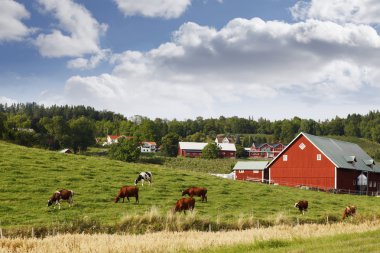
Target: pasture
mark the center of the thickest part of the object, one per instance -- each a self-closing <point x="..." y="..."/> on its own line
<point x="29" y="176"/>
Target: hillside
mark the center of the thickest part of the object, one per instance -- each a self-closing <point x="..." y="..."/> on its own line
<point x="29" y="177"/>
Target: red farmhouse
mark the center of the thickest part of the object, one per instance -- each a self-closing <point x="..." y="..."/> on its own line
<point x="250" y="171"/>
<point x="194" y="149"/>
<point x="265" y="150"/>
<point x="325" y="163"/>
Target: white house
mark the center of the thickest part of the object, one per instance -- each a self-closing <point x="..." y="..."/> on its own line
<point x="148" y="147"/>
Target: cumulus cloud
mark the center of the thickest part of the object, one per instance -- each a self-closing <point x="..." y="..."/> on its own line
<point x="11" y="26"/>
<point x="76" y="33"/>
<point x="203" y="69"/>
<point x="341" y="11"/>
<point x="91" y="63"/>
<point x="152" y="8"/>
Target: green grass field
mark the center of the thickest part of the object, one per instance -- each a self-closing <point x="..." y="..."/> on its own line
<point x="344" y="243"/>
<point x="29" y="176"/>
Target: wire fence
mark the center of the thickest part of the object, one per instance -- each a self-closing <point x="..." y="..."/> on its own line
<point x="312" y="187"/>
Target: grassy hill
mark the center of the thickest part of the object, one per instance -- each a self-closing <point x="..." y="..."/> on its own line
<point x="28" y="177"/>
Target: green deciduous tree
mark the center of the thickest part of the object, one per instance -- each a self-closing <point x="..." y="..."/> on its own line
<point x="127" y="150"/>
<point x="210" y="151"/>
<point x="170" y="144"/>
<point x="82" y="133"/>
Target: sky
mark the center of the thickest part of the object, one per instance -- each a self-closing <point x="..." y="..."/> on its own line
<point x="181" y="59"/>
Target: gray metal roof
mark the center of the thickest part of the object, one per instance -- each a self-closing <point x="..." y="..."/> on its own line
<point x="252" y="165"/>
<point x="343" y="154"/>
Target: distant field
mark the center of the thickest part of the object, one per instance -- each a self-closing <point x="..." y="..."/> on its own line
<point x="29" y="176"/>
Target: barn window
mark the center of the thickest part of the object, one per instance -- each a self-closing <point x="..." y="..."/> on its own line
<point x="354" y="183"/>
<point x="302" y="146"/>
<point x="285" y="158"/>
<point x="241" y="171"/>
<point x="374" y="183"/>
<point x="319" y="157"/>
<point x="370" y="183"/>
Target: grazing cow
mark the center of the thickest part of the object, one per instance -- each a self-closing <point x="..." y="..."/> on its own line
<point x="184" y="204"/>
<point x="128" y="191"/>
<point x="63" y="194"/>
<point x="196" y="191"/>
<point x="302" y="205"/>
<point x="349" y="211"/>
<point x="144" y="176"/>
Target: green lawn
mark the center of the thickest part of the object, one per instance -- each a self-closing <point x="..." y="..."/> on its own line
<point x="29" y="176"/>
<point x="344" y="243"/>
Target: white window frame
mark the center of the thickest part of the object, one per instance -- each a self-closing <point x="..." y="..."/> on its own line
<point x="319" y="157"/>
<point x="302" y="146"/>
<point x="285" y="158"/>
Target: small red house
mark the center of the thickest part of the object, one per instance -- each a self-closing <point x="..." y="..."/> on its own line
<point x="324" y="163"/>
<point x="250" y="171"/>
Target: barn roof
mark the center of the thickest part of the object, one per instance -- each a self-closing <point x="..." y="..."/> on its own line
<point x="201" y="145"/>
<point x="342" y="154"/>
<point x="252" y="165"/>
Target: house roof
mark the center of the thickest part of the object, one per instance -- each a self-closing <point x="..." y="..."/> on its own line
<point x="113" y="137"/>
<point x="276" y="145"/>
<point x="150" y="142"/>
<point x="201" y="145"/>
<point x="251" y="165"/>
<point x="341" y="153"/>
<point x="227" y="146"/>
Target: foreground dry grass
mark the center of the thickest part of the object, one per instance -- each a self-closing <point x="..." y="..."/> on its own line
<point x="175" y="241"/>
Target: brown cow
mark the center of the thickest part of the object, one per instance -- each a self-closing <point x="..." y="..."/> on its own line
<point x="128" y="191"/>
<point x="63" y="194"/>
<point x="302" y="205"/>
<point x="184" y="204"/>
<point x="349" y="211"/>
<point x="196" y="191"/>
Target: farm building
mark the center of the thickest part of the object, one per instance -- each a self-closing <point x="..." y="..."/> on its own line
<point x="194" y="149"/>
<point x="265" y="150"/>
<point x="325" y="163"/>
<point x="251" y="171"/>
<point x="148" y="147"/>
<point x="221" y="138"/>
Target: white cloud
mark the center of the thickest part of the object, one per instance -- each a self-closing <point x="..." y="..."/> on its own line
<point x="153" y="8"/>
<point x="77" y="32"/>
<point x="205" y="70"/>
<point x="9" y="101"/>
<point x="91" y="63"/>
<point x="11" y="26"/>
<point x="341" y="11"/>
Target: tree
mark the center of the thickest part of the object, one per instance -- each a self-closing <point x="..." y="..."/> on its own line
<point x="211" y="151"/>
<point x="240" y="152"/>
<point x="127" y="150"/>
<point x="170" y="144"/>
<point x="82" y="133"/>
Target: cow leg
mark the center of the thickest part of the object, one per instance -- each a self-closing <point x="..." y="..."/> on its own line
<point x="123" y="200"/>
<point x="128" y="199"/>
<point x="142" y="182"/>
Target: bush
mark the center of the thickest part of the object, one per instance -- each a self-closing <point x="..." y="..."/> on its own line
<point x="125" y="150"/>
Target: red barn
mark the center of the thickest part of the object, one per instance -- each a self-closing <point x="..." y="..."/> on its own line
<point x="194" y="149"/>
<point x="325" y="163"/>
<point x="251" y="171"/>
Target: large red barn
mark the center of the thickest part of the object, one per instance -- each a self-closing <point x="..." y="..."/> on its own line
<point x="325" y="163"/>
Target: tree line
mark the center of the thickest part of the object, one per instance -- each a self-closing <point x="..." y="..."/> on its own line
<point x="56" y="127"/>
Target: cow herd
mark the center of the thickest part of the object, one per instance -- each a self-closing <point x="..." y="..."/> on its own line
<point x="182" y="204"/>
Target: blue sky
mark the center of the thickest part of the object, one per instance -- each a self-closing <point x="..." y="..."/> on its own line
<point x="187" y="58"/>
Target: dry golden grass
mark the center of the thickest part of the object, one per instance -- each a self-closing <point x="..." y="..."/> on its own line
<point x="175" y="241"/>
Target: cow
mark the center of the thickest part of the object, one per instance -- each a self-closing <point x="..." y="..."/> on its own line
<point x="196" y="191"/>
<point x="63" y="194"/>
<point x="128" y="191"/>
<point x="302" y="205"/>
<point x="349" y="211"/>
<point x="184" y="204"/>
<point x="144" y="176"/>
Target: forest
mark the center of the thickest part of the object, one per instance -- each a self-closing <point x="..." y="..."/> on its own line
<point x="78" y="127"/>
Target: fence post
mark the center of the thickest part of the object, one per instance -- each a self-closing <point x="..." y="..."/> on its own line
<point x="298" y="221"/>
<point x="1" y="233"/>
<point x="32" y="232"/>
<point x="209" y="227"/>
<point x="258" y="224"/>
<point x="327" y="219"/>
